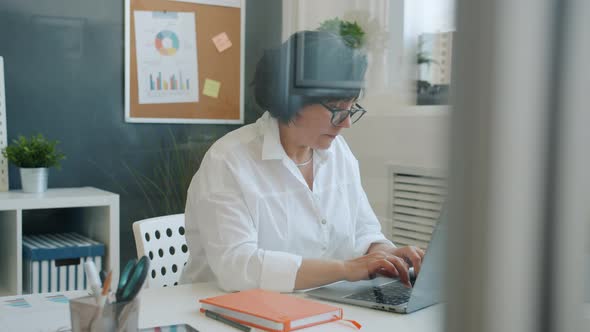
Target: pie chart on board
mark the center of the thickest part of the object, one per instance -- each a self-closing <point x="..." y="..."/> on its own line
<point x="167" y="42"/>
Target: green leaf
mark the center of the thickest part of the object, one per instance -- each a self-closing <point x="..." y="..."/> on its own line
<point x="351" y="32"/>
<point x="33" y="152"/>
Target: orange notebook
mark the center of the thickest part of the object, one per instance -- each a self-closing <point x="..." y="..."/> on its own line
<point x="271" y="311"/>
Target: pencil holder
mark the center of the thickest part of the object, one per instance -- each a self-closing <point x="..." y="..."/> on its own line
<point x="87" y="316"/>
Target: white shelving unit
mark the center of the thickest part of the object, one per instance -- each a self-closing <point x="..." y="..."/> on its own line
<point x="89" y="211"/>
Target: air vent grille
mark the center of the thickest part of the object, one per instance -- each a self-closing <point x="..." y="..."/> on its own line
<point x="416" y="198"/>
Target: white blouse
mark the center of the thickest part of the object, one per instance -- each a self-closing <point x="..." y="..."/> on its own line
<point x="251" y="218"/>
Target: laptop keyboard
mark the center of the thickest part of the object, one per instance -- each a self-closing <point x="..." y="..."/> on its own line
<point x="393" y="293"/>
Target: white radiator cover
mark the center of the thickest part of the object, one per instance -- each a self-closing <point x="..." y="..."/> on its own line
<point x="416" y="198"/>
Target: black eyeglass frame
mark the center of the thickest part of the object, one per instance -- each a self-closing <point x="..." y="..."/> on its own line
<point x="352" y="111"/>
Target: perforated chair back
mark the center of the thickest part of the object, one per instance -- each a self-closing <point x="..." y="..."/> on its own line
<point x="162" y="240"/>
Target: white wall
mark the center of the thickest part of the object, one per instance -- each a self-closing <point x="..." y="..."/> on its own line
<point x="416" y="136"/>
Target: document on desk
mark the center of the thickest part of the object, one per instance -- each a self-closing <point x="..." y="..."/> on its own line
<point x="39" y="312"/>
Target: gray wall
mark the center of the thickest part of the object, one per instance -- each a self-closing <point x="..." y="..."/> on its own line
<point x="64" y="72"/>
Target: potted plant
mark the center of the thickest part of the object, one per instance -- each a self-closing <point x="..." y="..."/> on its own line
<point x="33" y="156"/>
<point x="351" y="32"/>
<point x="423" y="88"/>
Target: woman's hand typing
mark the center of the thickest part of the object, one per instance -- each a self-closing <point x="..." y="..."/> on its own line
<point x="380" y="259"/>
<point x="371" y="264"/>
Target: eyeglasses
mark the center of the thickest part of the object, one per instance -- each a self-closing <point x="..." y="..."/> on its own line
<point x="339" y="115"/>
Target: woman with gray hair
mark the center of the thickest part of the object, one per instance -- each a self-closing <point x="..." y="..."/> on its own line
<point x="278" y="204"/>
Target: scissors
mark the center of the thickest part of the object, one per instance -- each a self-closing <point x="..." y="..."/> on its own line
<point x="132" y="279"/>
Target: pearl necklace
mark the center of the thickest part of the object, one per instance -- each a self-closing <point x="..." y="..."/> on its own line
<point x="305" y="162"/>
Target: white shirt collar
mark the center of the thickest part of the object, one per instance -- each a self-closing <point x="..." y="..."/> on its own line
<point x="272" y="147"/>
<point x="271" y="140"/>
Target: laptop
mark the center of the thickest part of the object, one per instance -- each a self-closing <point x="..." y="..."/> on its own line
<point x="390" y="294"/>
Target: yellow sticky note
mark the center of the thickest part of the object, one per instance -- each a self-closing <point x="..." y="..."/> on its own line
<point x="222" y="42"/>
<point x="211" y="88"/>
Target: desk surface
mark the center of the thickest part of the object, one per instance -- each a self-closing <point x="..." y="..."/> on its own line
<point x="166" y="306"/>
<point x="174" y="305"/>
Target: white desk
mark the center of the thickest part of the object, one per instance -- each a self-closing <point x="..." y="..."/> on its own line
<point x="166" y="306"/>
<point x="175" y="305"/>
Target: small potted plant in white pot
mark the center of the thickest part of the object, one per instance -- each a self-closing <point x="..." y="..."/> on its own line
<point x="34" y="156"/>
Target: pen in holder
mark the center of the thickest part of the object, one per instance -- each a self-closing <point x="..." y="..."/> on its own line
<point x="87" y="315"/>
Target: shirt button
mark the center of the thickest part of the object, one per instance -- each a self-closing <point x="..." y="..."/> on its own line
<point x="324" y="221"/>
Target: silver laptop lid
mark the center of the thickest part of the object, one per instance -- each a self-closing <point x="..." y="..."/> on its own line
<point x="428" y="288"/>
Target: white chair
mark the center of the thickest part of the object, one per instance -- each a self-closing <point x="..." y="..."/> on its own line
<point x="162" y="240"/>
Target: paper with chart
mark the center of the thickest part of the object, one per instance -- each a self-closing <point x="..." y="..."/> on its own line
<point x="47" y="312"/>
<point x="166" y="48"/>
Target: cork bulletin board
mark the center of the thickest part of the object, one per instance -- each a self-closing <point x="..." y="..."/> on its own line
<point x="184" y="61"/>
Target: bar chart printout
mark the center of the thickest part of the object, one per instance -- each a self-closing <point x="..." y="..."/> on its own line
<point x="166" y="57"/>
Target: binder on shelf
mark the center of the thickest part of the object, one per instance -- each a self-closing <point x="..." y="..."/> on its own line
<point x="271" y="311"/>
<point x="55" y="262"/>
